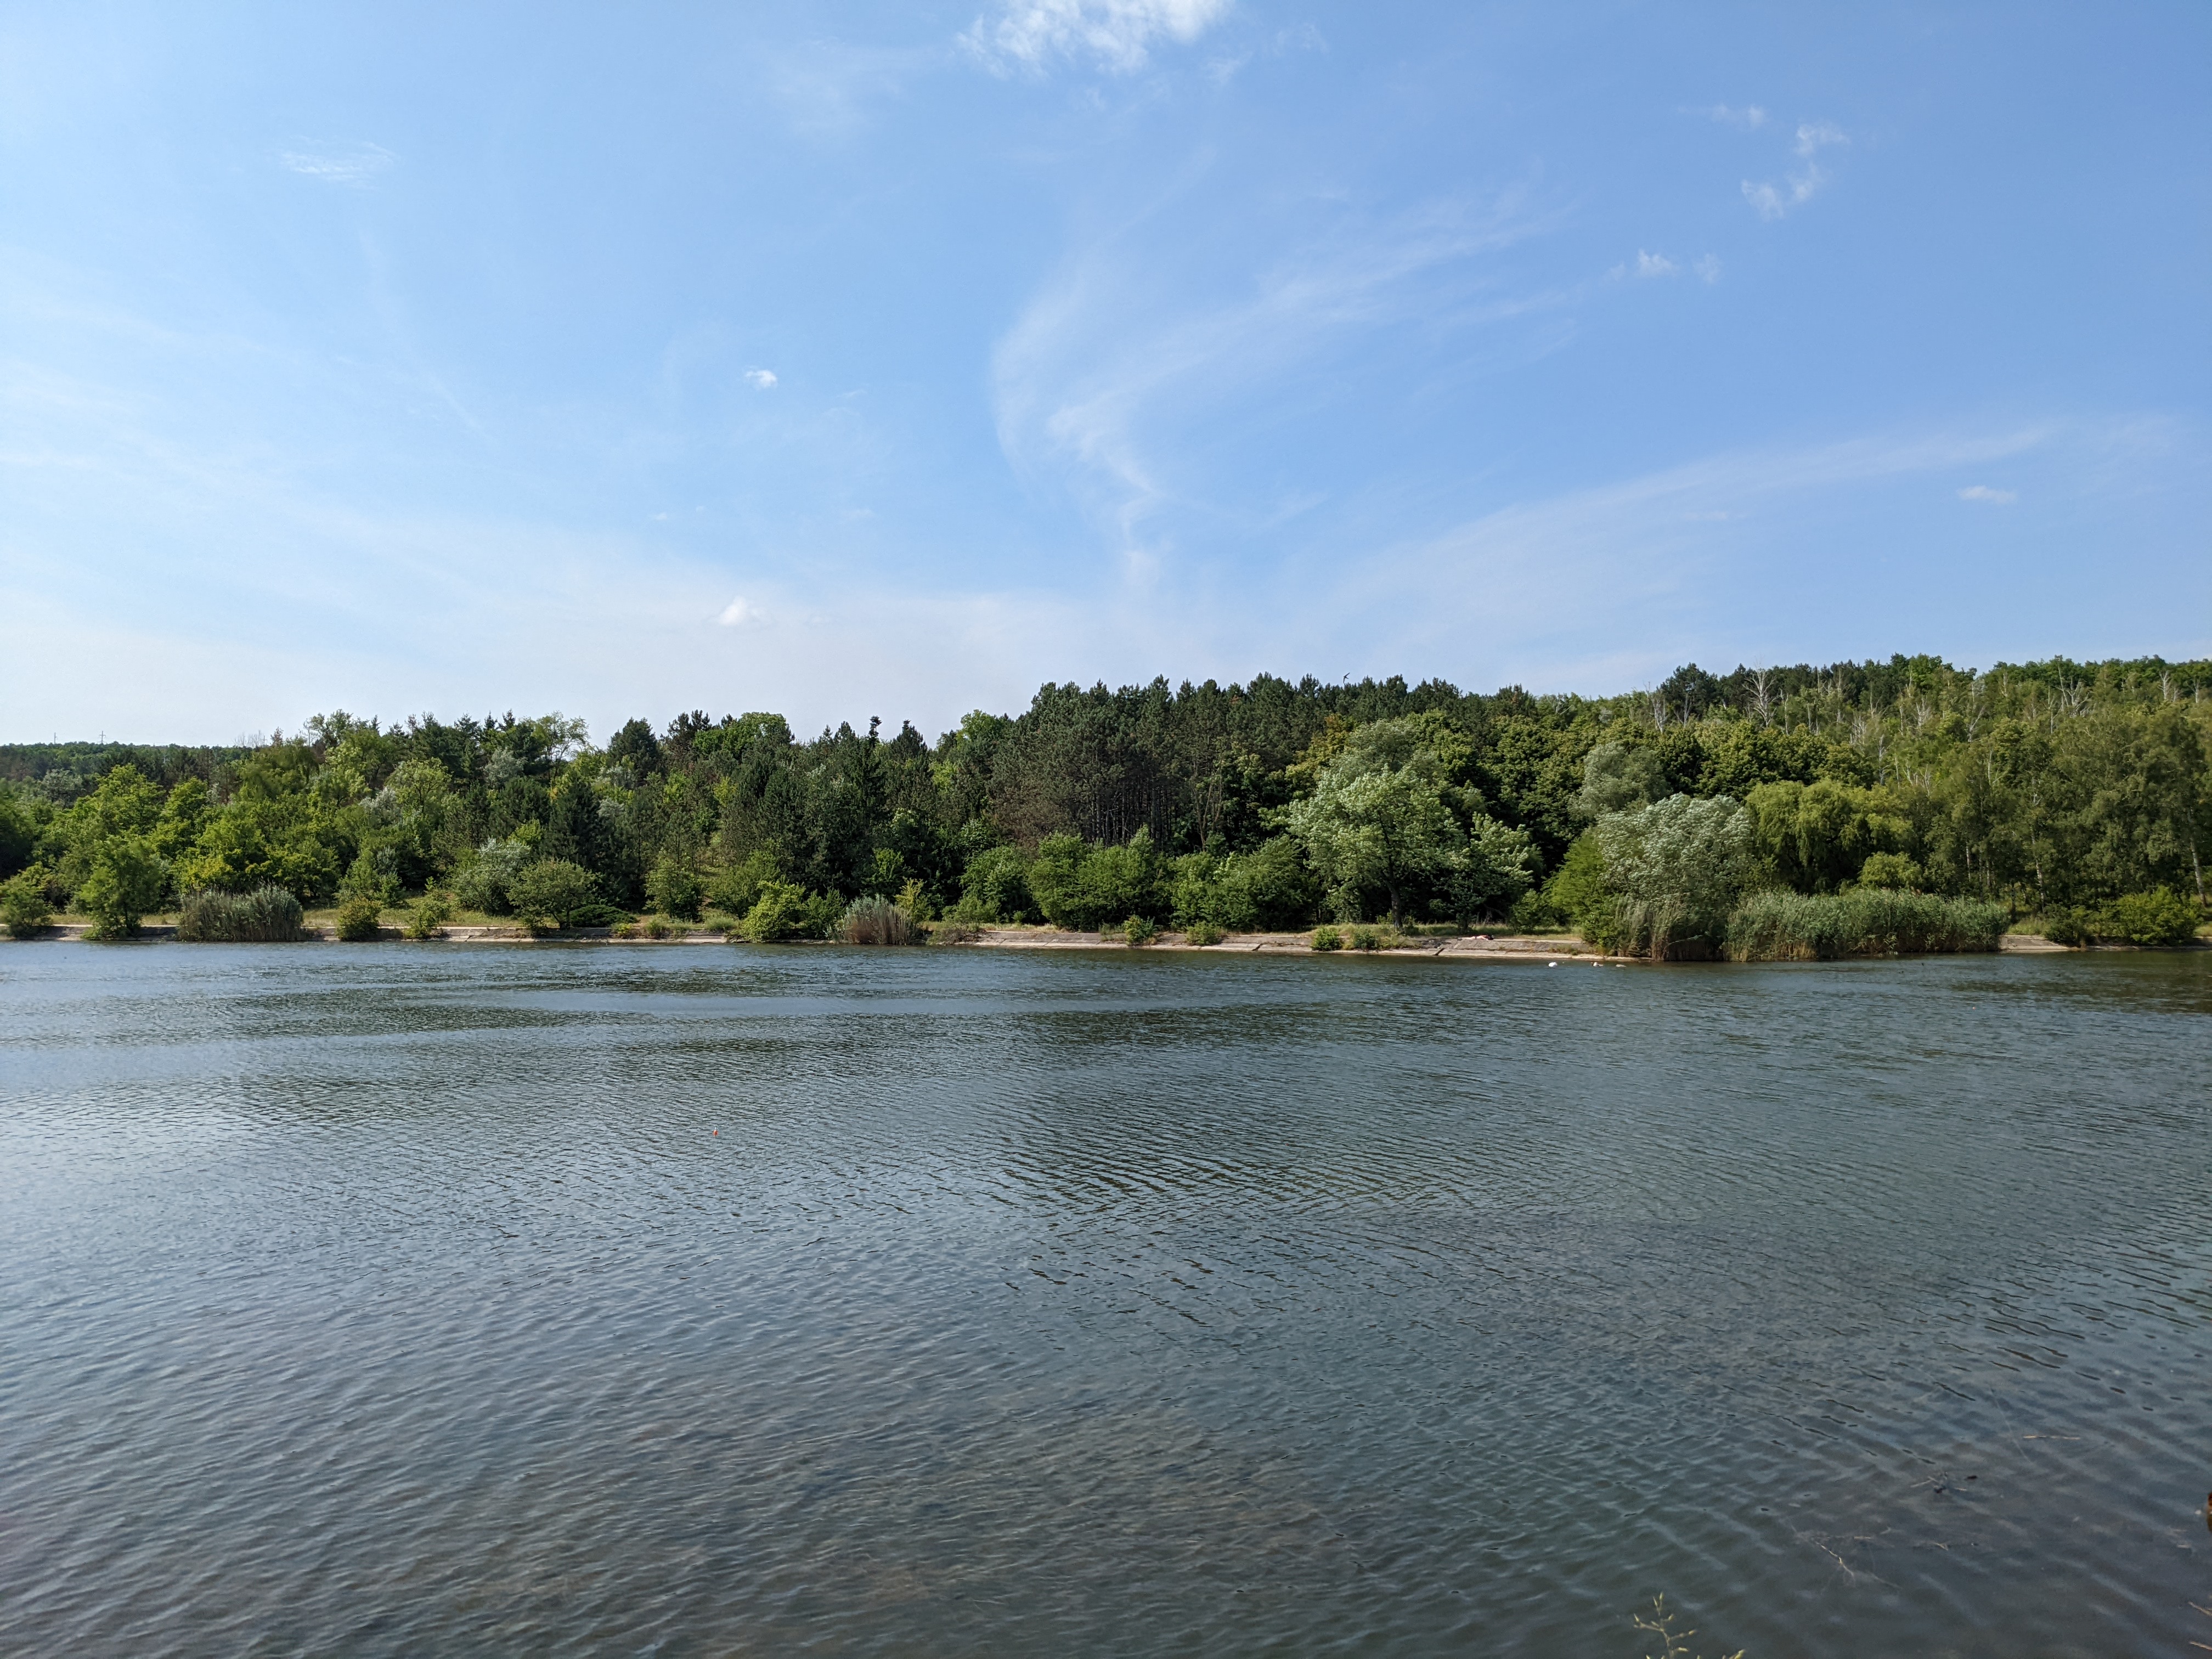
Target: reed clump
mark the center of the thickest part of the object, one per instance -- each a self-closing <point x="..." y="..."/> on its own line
<point x="267" y="916"/>
<point x="873" y="920"/>
<point x="1867" y="922"/>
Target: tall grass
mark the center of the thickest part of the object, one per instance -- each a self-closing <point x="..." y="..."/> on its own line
<point x="1869" y="922"/>
<point x="267" y="915"/>
<point x="877" y="921"/>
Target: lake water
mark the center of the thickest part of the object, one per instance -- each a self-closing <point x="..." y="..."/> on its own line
<point x="506" y="1300"/>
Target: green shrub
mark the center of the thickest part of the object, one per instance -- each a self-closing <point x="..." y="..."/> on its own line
<point x="1203" y="932"/>
<point x="872" y="919"/>
<point x="1139" y="930"/>
<point x="886" y="872"/>
<point x="818" y="919"/>
<point x="675" y="888"/>
<point x="126" y="881"/>
<point x="1328" y="939"/>
<point x="485" y="882"/>
<point x="736" y="889"/>
<point x="23" y="907"/>
<point x="555" y="890"/>
<point x="368" y="877"/>
<point x="914" y="899"/>
<point x="1365" y="937"/>
<point x="1083" y="888"/>
<point x="2063" y="925"/>
<point x="1891" y="870"/>
<point x="995" y="887"/>
<point x="1497" y="870"/>
<point x="358" y="914"/>
<point x="2160" y="916"/>
<point x="781" y="912"/>
<point x="1868" y="921"/>
<point x="1579" y="895"/>
<point x="269" y="914"/>
<point x="430" y="914"/>
<point x="1268" y="888"/>
<point x="19" y="835"/>
<point x="1533" y="910"/>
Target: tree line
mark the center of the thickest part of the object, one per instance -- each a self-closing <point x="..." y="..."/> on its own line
<point x="1658" y="821"/>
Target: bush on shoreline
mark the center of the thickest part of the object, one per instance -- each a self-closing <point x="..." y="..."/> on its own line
<point x="128" y="880"/>
<point x="428" y="917"/>
<point x="267" y="916"/>
<point x="23" y="906"/>
<point x="875" y="920"/>
<point x="358" y="915"/>
<point x="555" y="890"/>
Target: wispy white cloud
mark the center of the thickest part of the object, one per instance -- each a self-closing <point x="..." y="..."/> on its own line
<point x="1643" y="548"/>
<point x="1095" y="374"/>
<point x="832" y="89"/>
<point x="353" y="165"/>
<point x="1654" y="265"/>
<point x="760" y="378"/>
<point x="1118" y="35"/>
<point x="1983" y="493"/>
<point x="1709" y="268"/>
<point x="381" y="609"/>
<point x="1749" y="118"/>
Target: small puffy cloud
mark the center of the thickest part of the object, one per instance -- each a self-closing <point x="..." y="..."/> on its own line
<point x="1709" y="268"/>
<point x="339" y="164"/>
<point x="1775" y="201"/>
<point x="1983" y="493"/>
<point x="1119" y="35"/>
<point x="741" y="613"/>
<point x="761" y="378"/>
<point x="1748" y="118"/>
<point x="1654" y="265"/>
<point x="1811" y="135"/>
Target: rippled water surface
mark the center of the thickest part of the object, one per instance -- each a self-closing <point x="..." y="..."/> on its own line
<point x="419" y="1299"/>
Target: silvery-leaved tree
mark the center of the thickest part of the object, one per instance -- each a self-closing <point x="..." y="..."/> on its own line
<point x="1680" y="865"/>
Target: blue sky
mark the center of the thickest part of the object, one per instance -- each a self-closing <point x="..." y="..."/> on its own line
<point x="847" y="360"/>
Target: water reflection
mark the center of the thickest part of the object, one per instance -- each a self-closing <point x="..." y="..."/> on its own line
<point x="534" y="1301"/>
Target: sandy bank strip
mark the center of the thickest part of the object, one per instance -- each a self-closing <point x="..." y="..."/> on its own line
<point x="1504" y="947"/>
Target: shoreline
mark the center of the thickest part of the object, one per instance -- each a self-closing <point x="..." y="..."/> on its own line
<point x="1478" y="947"/>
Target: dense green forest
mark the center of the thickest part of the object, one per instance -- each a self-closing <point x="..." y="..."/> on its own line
<point x="1900" y="801"/>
